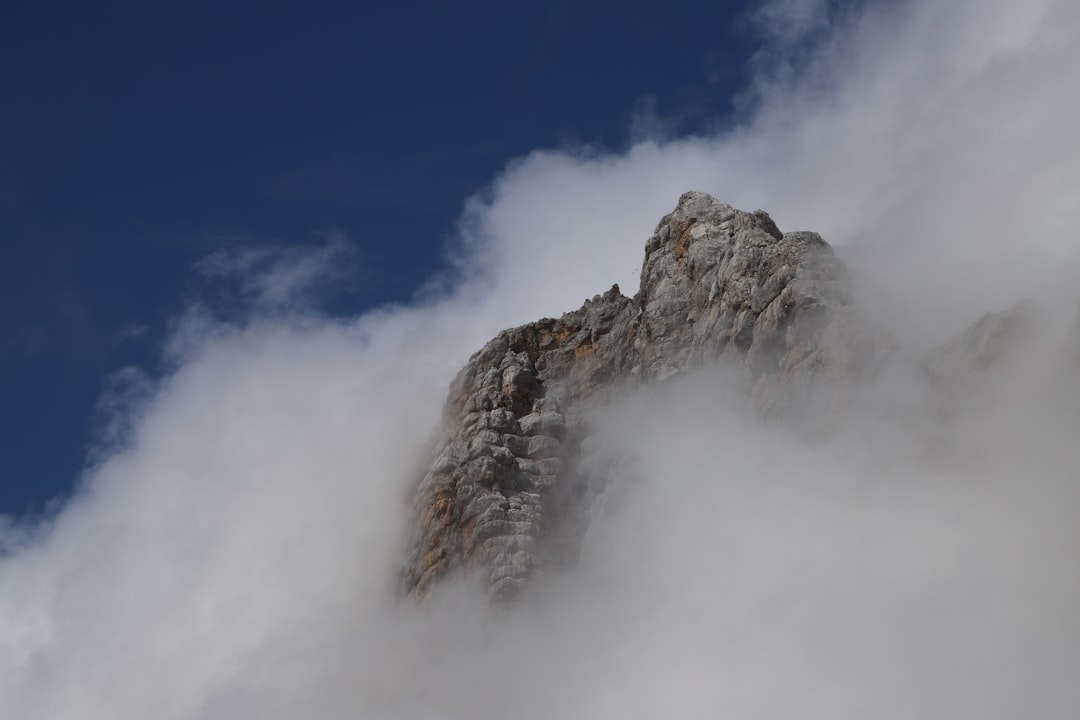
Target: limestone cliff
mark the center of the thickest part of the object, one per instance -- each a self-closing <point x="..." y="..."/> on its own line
<point x="508" y="487"/>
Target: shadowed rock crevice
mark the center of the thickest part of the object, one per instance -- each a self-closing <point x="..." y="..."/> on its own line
<point x="506" y="496"/>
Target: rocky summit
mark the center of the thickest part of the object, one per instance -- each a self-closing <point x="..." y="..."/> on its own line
<point x="509" y="484"/>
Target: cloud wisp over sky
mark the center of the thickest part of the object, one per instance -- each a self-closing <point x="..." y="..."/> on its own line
<point x="235" y="552"/>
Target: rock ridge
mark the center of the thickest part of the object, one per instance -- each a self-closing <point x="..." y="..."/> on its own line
<point x="508" y="488"/>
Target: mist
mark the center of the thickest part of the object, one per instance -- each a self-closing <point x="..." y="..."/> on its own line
<point x="233" y="549"/>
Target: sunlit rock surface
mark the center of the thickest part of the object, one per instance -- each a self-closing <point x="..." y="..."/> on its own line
<point x="509" y="486"/>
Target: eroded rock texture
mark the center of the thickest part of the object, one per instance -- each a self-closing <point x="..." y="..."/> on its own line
<point x="506" y="493"/>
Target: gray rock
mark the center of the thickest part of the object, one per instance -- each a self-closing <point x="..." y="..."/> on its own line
<point x="509" y="486"/>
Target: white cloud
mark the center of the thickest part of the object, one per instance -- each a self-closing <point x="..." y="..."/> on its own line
<point x="237" y="557"/>
<point x="787" y="22"/>
<point x="273" y="279"/>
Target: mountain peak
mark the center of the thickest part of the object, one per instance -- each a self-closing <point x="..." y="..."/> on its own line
<point x="508" y="486"/>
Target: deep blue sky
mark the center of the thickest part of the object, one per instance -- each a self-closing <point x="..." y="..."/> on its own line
<point x="137" y="137"/>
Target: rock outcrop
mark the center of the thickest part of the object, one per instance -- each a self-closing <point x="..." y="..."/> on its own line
<point x="507" y="489"/>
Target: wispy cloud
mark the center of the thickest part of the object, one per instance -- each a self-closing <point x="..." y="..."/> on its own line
<point x="267" y="279"/>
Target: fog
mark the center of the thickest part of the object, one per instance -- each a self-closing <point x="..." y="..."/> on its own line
<point x="234" y="547"/>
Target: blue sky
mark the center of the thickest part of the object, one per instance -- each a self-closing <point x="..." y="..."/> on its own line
<point x="137" y="138"/>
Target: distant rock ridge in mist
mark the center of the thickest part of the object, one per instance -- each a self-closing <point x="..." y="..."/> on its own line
<point x="512" y="476"/>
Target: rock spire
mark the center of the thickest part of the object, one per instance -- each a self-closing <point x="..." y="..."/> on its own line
<point x="507" y="490"/>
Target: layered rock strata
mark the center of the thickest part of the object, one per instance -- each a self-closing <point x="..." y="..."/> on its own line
<point x="506" y="492"/>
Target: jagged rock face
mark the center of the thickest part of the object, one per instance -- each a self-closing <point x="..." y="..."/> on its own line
<point x="488" y="500"/>
<point x="719" y="283"/>
<point x="507" y="492"/>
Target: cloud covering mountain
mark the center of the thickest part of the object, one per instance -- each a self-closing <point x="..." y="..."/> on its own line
<point x="235" y="550"/>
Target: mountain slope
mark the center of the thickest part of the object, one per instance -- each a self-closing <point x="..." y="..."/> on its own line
<point x="508" y="487"/>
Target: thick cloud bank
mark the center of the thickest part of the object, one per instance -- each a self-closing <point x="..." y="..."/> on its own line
<point x="237" y="554"/>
